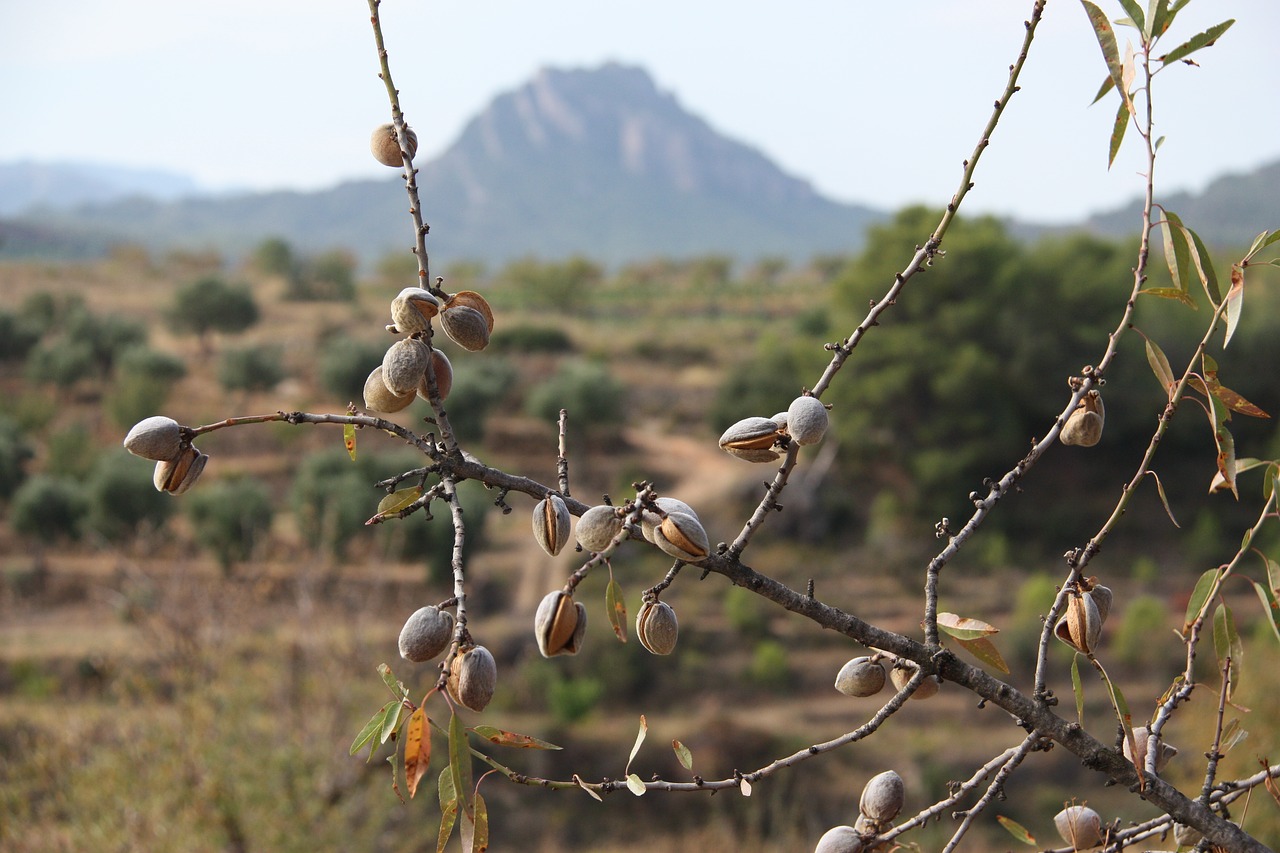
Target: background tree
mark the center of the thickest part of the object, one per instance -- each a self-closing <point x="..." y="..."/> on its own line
<point x="210" y="304"/>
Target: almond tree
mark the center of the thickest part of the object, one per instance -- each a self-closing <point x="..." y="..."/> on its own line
<point x="1127" y="749"/>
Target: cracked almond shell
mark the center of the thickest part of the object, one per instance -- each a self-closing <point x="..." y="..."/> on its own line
<point x="412" y="310"/>
<point x="682" y="536"/>
<point x="657" y="627"/>
<point x="177" y="475"/>
<point x="473" y="676"/>
<point x="551" y="524"/>
<point x="752" y="439"/>
<point x="649" y="519"/>
<point x="559" y="625"/>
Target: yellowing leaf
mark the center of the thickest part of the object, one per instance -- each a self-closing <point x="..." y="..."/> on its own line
<point x="986" y="652"/>
<point x="505" y="738"/>
<point x="963" y="627"/>
<point x="448" y="817"/>
<point x="1017" y="830"/>
<point x="417" y="750"/>
<point x="683" y="754"/>
<point x="398" y="500"/>
<point x="616" y="607"/>
<point x="636" y="785"/>
<point x="349" y="439"/>
<point x="640" y="735"/>
<point x="584" y="786"/>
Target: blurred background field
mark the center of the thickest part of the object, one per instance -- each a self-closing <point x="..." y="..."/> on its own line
<point x="188" y="673"/>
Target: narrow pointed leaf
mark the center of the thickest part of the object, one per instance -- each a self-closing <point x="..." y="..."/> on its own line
<point x="1117" y="133"/>
<point x="986" y="653"/>
<point x="640" y="735"/>
<point x="448" y="817"/>
<point x="417" y="750"/>
<point x="584" y="786"/>
<point x="1159" y="366"/>
<point x="1226" y="642"/>
<point x="1270" y="607"/>
<point x="1107" y="41"/>
<point x="1077" y="687"/>
<point x="1226" y="462"/>
<point x="1169" y="293"/>
<point x="1164" y="498"/>
<point x="616" y="607"/>
<point x="1124" y="716"/>
<point x="1157" y="18"/>
<point x="1107" y="85"/>
<point x="1235" y="303"/>
<point x="372" y="728"/>
<point x="1195" y="607"/>
<point x="963" y="627"/>
<point x="480" y="842"/>
<point x="444" y="788"/>
<point x="392" y="722"/>
<point x="395" y="774"/>
<point x="505" y="738"/>
<point x="1196" y="42"/>
<point x="636" y="785"/>
<point x="1207" y="274"/>
<point x="1235" y="402"/>
<point x="1135" y="13"/>
<point x="1192" y="245"/>
<point x="349" y="439"/>
<point x="1017" y="830"/>
<point x="460" y="765"/>
<point x="1273" y="576"/>
<point x="1232" y="735"/>
<point x="388" y="678"/>
<point x="683" y="754"/>
<point x="1177" y="252"/>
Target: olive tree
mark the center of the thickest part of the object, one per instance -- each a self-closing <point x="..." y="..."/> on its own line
<point x="1127" y="747"/>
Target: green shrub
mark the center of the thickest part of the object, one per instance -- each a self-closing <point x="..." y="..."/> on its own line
<point x="15" y="450"/>
<point x="344" y="365"/>
<point x="230" y="518"/>
<point x="17" y="336"/>
<point x="209" y="304"/>
<point x="528" y="339"/>
<point x="591" y="395"/>
<point x="477" y="387"/>
<point x="122" y="498"/>
<point x="257" y="368"/>
<point x="48" y="509"/>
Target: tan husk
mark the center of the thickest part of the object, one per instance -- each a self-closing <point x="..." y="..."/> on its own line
<point x="1079" y="826"/>
<point x="466" y="327"/>
<point x="403" y="366"/>
<point x="412" y="310"/>
<point x="444" y="376"/>
<point x="473" y="676"/>
<point x="379" y="398"/>
<point x="426" y="634"/>
<point x="861" y="677"/>
<point x="1084" y="425"/>
<point x="157" y="438"/>
<point x="597" y="527"/>
<point x="385" y="148"/>
<point x="657" y="628"/>
<point x="551" y="524"/>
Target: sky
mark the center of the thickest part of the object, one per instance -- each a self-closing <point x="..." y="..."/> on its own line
<point x="872" y="102"/>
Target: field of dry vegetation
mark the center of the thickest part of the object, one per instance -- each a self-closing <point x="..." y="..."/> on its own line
<point x="154" y="697"/>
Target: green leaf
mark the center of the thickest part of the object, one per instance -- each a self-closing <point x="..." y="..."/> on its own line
<point x="1135" y="12"/>
<point x="1077" y="687"/>
<point x="986" y="652"/>
<point x="1169" y="293"/>
<point x="616" y="607"/>
<point x="1107" y="41"/>
<point x="505" y="738"/>
<point x="1226" y="476"/>
<point x="640" y="735"/>
<point x="1205" y="587"/>
<point x="636" y="785"/>
<point x="448" y="817"/>
<point x="395" y="774"/>
<point x="1196" y="42"/>
<point x="1192" y="245"/>
<point x="392" y="722"/>
<point x="445" y="790"/>
<point x="398" y="500"/>
<point x="1226" y="642"/>
<point x="1123" y="715"/>
<point x="1164" y="498"/>
<point x="1117" y="133"/>
<point x="1269" y="606"/>
<point x="1157" y="19"/>
<point x="372" y="728"/>
<point x="389" y="679"/>
<point x="1177" y="253"/>
<point x="1205" y="264"/>
<point x="683" y="754"/>
<point x="349" y="439"/>
<point x="964" y="628"/>
<point x="1017" y="830"/>
<point x="460" y="765"/>
<point x="1107" y="85"/>
<point x="474" y="832"/>
<point x="1273" y="575"/>
<point x="1160" y="367"/>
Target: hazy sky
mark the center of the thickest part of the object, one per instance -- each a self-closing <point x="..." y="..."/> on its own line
<point x="875" y="102"/>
